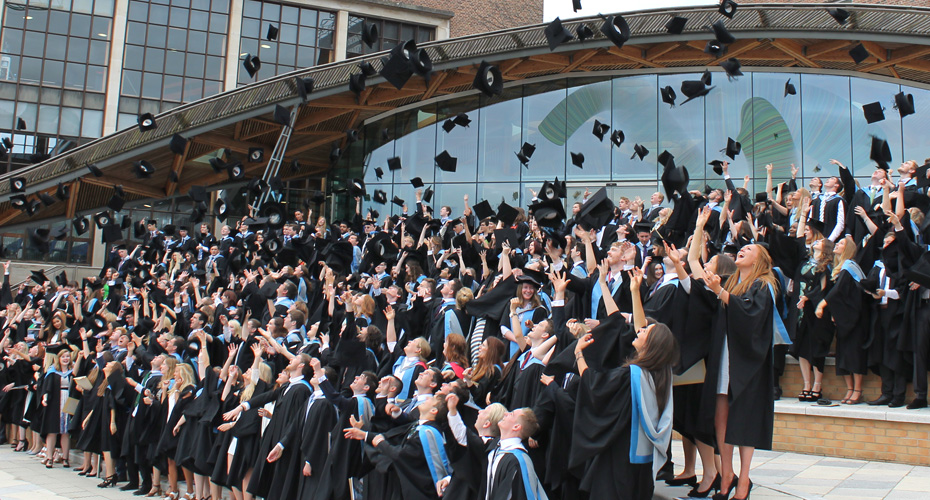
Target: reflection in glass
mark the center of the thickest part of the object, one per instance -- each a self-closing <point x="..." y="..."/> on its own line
<point x="461" y="142"/>
<point x="863" y="92"/>
<point x="634" y="103"/>
<point x="915" y="127"/>
<point x="499" y="137"/>
<point x="825" y="115"/>
<point x="731" y="113"/>
<point x="544" y="126"/>
<point x="583" y="105"/>
<point x="416" y="143"/>
<point x="777" y="126"/>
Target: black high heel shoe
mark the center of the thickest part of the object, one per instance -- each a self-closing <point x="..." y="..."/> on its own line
<point x="110" y="481"/>
<point x="696" y="493"/>
<point x="682" y="481"/>
<point x="725" y="495"/>
<point x="747" y="493"/>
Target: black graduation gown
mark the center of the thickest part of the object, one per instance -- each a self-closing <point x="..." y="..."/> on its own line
<point x="48" y="417"/>
<point x="469" y="465"/>
<point x="315" y="445"/>
<point x="846" y="305"/>
<point x="813" y="335"/>
<point x="279" y="479"/>
<point x="143" y="427"/>
<point x="410" y="462"/>
<point x="91" y="406"/>
<point x="247" y="432"/>
<point x="168" y="441"/>
<point x="555" y="413"/>
<point x="601" y="438"/>
<point x="747" y="324"/>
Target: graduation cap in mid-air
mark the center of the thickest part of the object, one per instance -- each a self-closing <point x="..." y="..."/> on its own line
<point x="583" y="32"/>
<point x="489" y="80"/>
<point x="394" y="163"/>
<point x="668" y="95"/>
<point x="874" y="112"/>
<point x="718" y="166"/>
<point x="859" y="53"/>
<point x="640" y="151"/>
<point x="617" y="137"/>
<point x="272" y="33"/>
<point x="446" y="162"/>
<point x="733" y="148"/>
<point x="721" y="33"/>
<point x="525" y="153"/>
<point x="732" y="67"/>
<point x="676" y="25"/>
<point x="839" y="15"/>
<point x="727" y="8"/>
<point x="600" y="130"/>
<point x="616" y="29"/>
<point x="790" y="88"/>
<point x="904" y="103"/>
<point x="692" y="89"/>
<point x="578" y="159"/>
<point x="880" y="152"/>
<point x="556" y="34"/>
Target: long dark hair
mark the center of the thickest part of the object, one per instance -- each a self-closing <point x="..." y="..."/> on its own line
<point x="658" y="355"/>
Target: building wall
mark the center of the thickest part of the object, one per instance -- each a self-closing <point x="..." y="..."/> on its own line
<point x="479" y="16"/>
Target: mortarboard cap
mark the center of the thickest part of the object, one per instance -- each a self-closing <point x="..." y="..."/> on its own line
<point x="235" y="171"/>
<point x="483" y="210"/>
<point x="380" y="197"/>
<point x="112" y="233"/>
<point x="38" y="239"/>
<point x="143" y="169"/>
<point x="616" y="29"/>
<point x="272" y="33"/>
<point x="859" y="53"/>
<point x="357" y="83"/>
<point x="904" y="103"/>
<point x="393" y="163"/>
<point x="282" y="115"/>
<point x="356" y="188"/>
<point x="116" y="203"/>
<point x="59" y="232"/>
<point x="617" y="137"/>
<point x="428" y="195"/>
<point x="666" y="159"/>
<point x="675" y="179"/>
<point x="525" y="153"/>
<point x="178" y="144"/>
<point x="507" y="234"/>
<point x="600" y="129"/>
<point x="379" y="172"/>
<point x="18" y="185"/>
<point x="578" y="159"/>
<point x="733" y="148"/>
<point x="39" y="276"/>
<point x="816" y="225"/>
<point x="80" y="224"/>
<point x="727" y="8"/>
<point x="446" y="162"/>
<point x="304" y="87"/>
<point x="489" y="79"/>
<point x="462" y="120"/>
<point x="251" y="64"/>
<point x="640" y="151"/>
<point x="880" y="153"/>
<point x="416" y="182"/>
<point x="369" y="34"/>
<point x="715" y="48"/>
<point x="448" y="125"/>
<point x="126" y="222"/>
<point x="19" y="201"/>
<point x="146" y="122"/>
<point x="197" y="193"/>
<point x="63" y="192"/>
<point x="556" y="34"/>
<point x="47" y="199"/>
<point x="692" y="89"/>
<point x="676" y="25"/>
<point x="549" y="213"/>
<point x="595" y="213"/>
<point x="583" y="32"/>
<point x="576" y="5"/>
<point x="20" y="124"/>
<point x="732" y="66"/>
<point x="397" y="200"/>
<point x="507" y="214"/>
<point x="721" y="34"/>
<point x="790" y="88"/>
<point x="874" y="112"/>
<point x="668" y="95"/>
<point x="840" y="15"/>
<point x="706" y="77"/>
<point x="718" y="166"/>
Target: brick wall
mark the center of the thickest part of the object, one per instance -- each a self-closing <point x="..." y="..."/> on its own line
<point x="901" y="442"/>
<point x="479" y="16"/>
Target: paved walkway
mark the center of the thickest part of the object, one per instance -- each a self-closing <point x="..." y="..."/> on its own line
<point x="777" y="476"/>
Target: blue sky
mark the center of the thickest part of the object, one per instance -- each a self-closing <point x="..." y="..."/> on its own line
<point x="563" y="8"/>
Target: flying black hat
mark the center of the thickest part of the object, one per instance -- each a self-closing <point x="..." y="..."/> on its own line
<point x="880" y="153"/>
<point x="859" y="53"/>
<point x="874" y="112"/>
<point x="507" y="214"/>
<point x="668" y="95"/>
<point x="251" y="64"/>
<point x="177" y="144"/>
<point x="272" y="33"/>
<point x="525" y="153"/>
<point x="616" y="29"/>
<point x="596" y="211"/>
<point x="416" y="182"/>
<point x="18" y="185"/>
<point x="578" y="159"/>
<point x="727" y="8"/>
<point x="146" y="122"/>
<point x="143" y="169"/>
<point x="379" y="197"/>
<point x="718" y="166"/>
<point x="304" y="87"/>
<point x="489" y="80"/>
<point x="721" y="33"/>
<point x="116" y="202"/>
<point x="47" y="199"/>
<point x="549" y="213"/>
<point x="369" y="34"/>
<point x="790" y="88"/>
<point x="80" y="224"/>
<point x="617" y="137"/>
<point x="483" y="210"/>
<point x="394" y="163"/>
<point x="556" y="34"/>
<point x="904" y="103"/>
<point x="600" y="129"/>
<point x="676" y="25"/>
<point x="715" y="48"/>
<point x="640" y="151"/>
<point x="583" y="32"/>
<point x="446" y="162"/>
<point x="692" y="89"/>
<point x="732" y="66"/>
<point x="733" y="148"/>
<point x="840" y="15"/>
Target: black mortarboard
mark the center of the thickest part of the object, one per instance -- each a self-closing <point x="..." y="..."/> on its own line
<point x="549" y="213"/>
<point x="578" y="159"/>
<point x="256" y="155"/>
<point x="525" y="153"/>
<point x="556" y="34"/>
<point x="282" y="115"/>
<point x="489" y="80"/>
<point x="146" y="122"/>
<point x="7" y="142"/>
<point x="80" y="224"/>
<point x="217" y="164"/>
<point x="733" y="148"/>
<point x="397" y="200"/>
<point x="859" y="53"/>
<point x="583" y="32"/>
<point x="118" y="189"/>
<point x="727" y="8"/>
<point x="178" y="144"/>
<point x="397" y="69"/>
<point x="111" y="233"/>
<point x="18" y="185"/>
<point x="721" y="33"/>
<point x="116" y="203"/>
<point x="379" y="172"/>
<point x="448" y="125"/>
<point x="38" y="239"/>
<point x="62" y="192"/>
<point x="32" y="207"/>
<point x="715" y="48"/>
<point x="560" y="189"/>
<point x="357" y="188"/>
<point x="416" y="182"/>
<point x="20" y="124"/>
<point x="197" y="193"/>
<point x="304" y="87"/>
<point x="462" y="120"/>
<point x="393" y="163"/>
<point x="272" y="33"/>
<point x="483" y="210"/>
<point x="639" y="150"/>
<point x="379" y="197"/>
<point x="666" y="159"/>
<point x="576" y="5"/>
<point x="816" y="225"/>
<point x="369" y="34"/>
<point x="904" y="103"/>
<point x="874" y="112"/>
<point x="840" y="15"/>
<point x="692" y="89"/>
<point x="351" y="136"/>
<point x="880" y="153"/>
<point x="39" y="276"/>
<point x="446" y="162"/>
<point x="922" y="181"/>
<point x="706" y="77"/>
<point x="143" y="169"/>
<point x="596" y="211"/>
<point x="548" y="191"/>
<point x="235" y="171"/>
<point x="675" y="179"/>
<point x="718" y="166"/>
<point x="47" y="199"/>
<point x="428" y="195"/>
<point x="600" y="129"/>
<point x="139" y="229"/>
<point x="357" y="83"/>
<point x="617" y="137"/>
<point x="251" y="64"/>
<point x="19" y="201"/>
<point x="790" y="88"/>
<point x="507" y="214"/>
<point x="507" y="234"/>
<point x="732" y="66"/>
<point x="257" y="186"/>
<point x="339" y="256"/>
<point x="668" y="95"/>
<point x="616" y="29"/>
<point x="920" y="272"/>
<point x="676" y="25"/>
<point x="276" y="214"/>
<point x="125" y="222"/>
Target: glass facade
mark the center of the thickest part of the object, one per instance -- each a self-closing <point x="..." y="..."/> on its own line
<point x="823" y="121"/>
<point x="305" y="38"/>
<point x="175" y="52"/>
<point x="53" y="72"/>
<point x="390" y="33"/>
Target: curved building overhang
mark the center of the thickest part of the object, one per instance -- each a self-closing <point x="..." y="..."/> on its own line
<point x="802" y="37"/>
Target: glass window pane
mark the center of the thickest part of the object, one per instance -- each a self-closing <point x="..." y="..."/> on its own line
<point x="863" y="92"/>
<point x="193" y="89"/>
<point x="31" y="71"/>
<point x="177" y="39"/>
<point x="378" y="152"/>
<point x="48" y="119"/>
<point x="497" y="192"/>
<point x="460" y="142"/>
<point x="80" y="25"/>
<point x="99" y="52"/>
<point x="151" y="85"/>
<point x="70" y="124"/>
<point x="138" y="11"/>
<point x="197" y="41"/>
<point x="221" y="6"/>
<point x="12" y="41"/>
<point x="194" y="66"/>
<point x="36" y="19"/>
<point x="101" y="27"/>
<point x="14" y="19"/>
<point x="214" y="67"/>
<point x="77" y="49"/>
<point x="287" y="54"/>
<point x="544" y="126"/>
<point x="26" y="111"/>
<point x="212" y="87"/>
<point x="154" y="60"/>
<point x="199" y="20"/>
<point x="308" y="17"/>
<point x="307" y="36"/>
<point x="216" y="45"/>
<point x="499" y="137"/>
<point x="158" y="14"/>
<point x="55" y="47"/>
<point x="179" y="17"/>
<point x="252" y="8"/>
<point x="135" y="33"/>
<point x="173" y="88"/>
<point x="96" y="78"/>
<point x="58" y="22"/>
<point x="92" y="123"/>
<point x="825" y="114"/>
<point x="74" y="77"/>
<point x="635" y="109"/>
<point x="585" y="104"/>
<point x="34" y="44"/>
<point x="680" y="132"/>
<point x="271" y="11"/>
<point x="416" y="143"/>
<point x="54" y="73"/>
<point x="157" y="35"/>
<point x="174" y="63"/>
<point x="132" y="83"/>
<point x="306" y="57"/>
<point x="916" y="139"/>
<point x="103" y="8"/>
<point x="218" y="23"/>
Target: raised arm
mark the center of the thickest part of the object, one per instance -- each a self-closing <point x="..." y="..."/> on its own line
<point x="610" y="305"/>
<point x="639" y="314"/>
<point x="697" y="243"/>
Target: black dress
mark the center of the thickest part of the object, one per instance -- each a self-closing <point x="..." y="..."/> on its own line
<point x="48" y="417"/>
<point x="847" y="307"/>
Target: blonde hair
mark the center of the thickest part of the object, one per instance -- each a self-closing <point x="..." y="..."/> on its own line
<point x="425" y="350"/>
<point x="51" y="361"/>
<point x="463" y="296"/>
<point x="761" y="270"/>
<point x="495" y="412"/>
<point x="235" y="327"/>
<point x="849" y="251"/>
<point x="368" y="305"/>
<point x="187" y="377"/>
<point x="264" y="374"/>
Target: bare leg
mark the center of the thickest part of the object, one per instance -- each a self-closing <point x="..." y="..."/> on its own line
<point x="50" y="440"/>
<point x="857" y="387"/>
<point x="189" y="480"/>
<point x="745" y="462"/>
<point x="726" y="450"/>
<point x="172" y="476"/>
<point x="849" y="387"/>
<point x="156" y="479"/>
<point x="109" y="463"/>
<point x="200" y="486"/>
<point x="805" y="372"/>
<point x="690" y="453"/>
<point x="245" y="485"/>
<point x="708" y="463"/>
<point x="65" y="447"/>
<point x="216" y="491"/>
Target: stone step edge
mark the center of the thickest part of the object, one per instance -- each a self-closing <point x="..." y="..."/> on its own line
<point x="857" y="412"/>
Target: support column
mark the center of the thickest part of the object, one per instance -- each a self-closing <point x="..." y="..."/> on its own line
<point x="341" y="35"/>
<point x="115" y="65"/>
<point x="233" y="32"/>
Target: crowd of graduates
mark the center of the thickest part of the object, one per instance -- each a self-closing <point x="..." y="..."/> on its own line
<point x="494" y="354"/>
